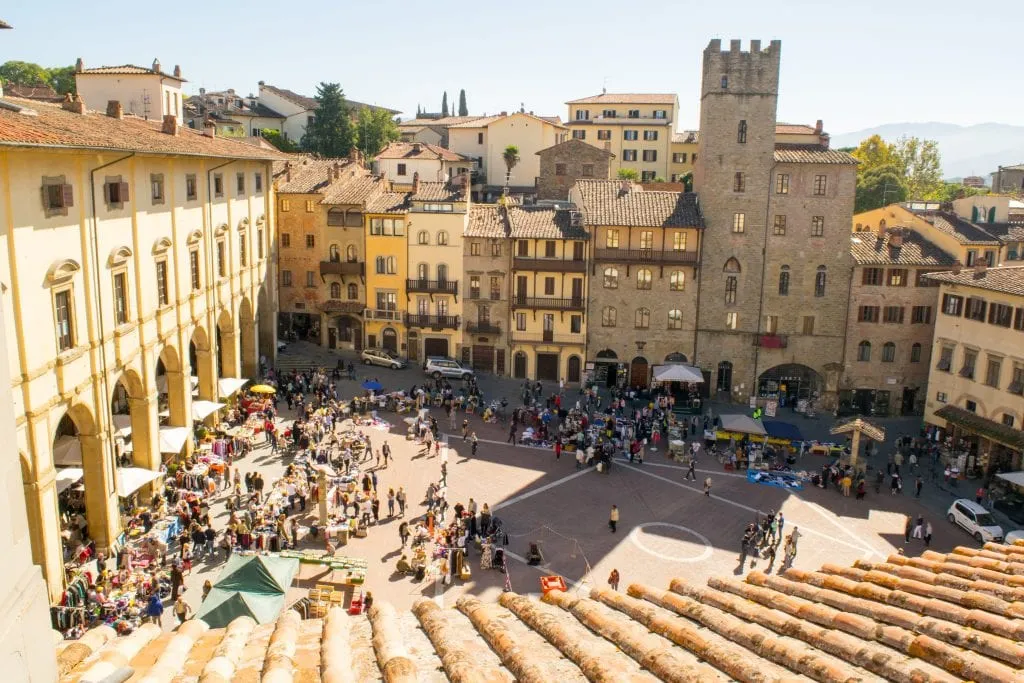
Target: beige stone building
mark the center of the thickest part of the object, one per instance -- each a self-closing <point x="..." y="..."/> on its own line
<point x="433" y="131"/>
<point x="149" y="93"/>
<point x="487" y="267"/>
<point x="684" y="155"/>
<point x="642" y="303"/>
<point x="891" y="322"/>
<point x="976" y="377"/>
<point x="400" y="162"/>
<point x="138" y="263"/>
<point x="563" y="164"/>
<point x="775" y="267"/>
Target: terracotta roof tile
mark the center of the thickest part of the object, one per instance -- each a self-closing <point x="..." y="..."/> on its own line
<point x="544" y="223"/>
<point x="868" y="250"/>
<point x="418" y="150"/>
<point x="961" y="229"/>
<point x="438" y="192"/>
<point x="793" y="129"/>
<point x="128" y="70"/>
<point x="485" y="121"/>
<point x="443" y="121"/>
<point x="308" y="175"/>
<point x="1003" y="279"/>
<point x="605" y="203"/>
<point x="388" y="202"/>
<point x="1006" y="232"/>
<point x="900" y="619"/>
<point x="43" y="93"/>
<point x="310" y="103"/>
<point x="786" y="153"/>
<point x="357" y="189"/>
<point x="52" y="126"/>
<point x="627" y="98"/>
<point x="485" y="221"/>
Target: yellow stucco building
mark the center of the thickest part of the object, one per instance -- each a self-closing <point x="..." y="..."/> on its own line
<point x="136" y="265"/>
<point x="387" y="259"/>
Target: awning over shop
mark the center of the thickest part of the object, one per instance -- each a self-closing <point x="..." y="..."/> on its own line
<point x="1012" y="477"/>
<point x="203" y="409"/>
<point x="122" y="425"/>
<point x="172" y="439"/>
<point x="744" y="424"/>
<point x="67" y="452"/>
<point x="161" y="383"/>
<point x="782" y="430"/>
<point x="677" y="372"/>
<point x="131" y="479"/>
<point x="990" y="429"/>
<point x="229" y="385"/>
<point x="68" y="477"/>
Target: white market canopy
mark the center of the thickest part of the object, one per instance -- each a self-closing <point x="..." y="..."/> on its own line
<point x="229" y="385"/>
<point x="203" y="409"/>
<point x="161" y="383"/>
<point x="122" y="425"/>
<point x="1012" y="477"/>
<point x="677" y="372"/>
<point x="172" y="439"/>
<point x="744" y="424"/>
<point x="67" y="452"/>
<point x="68" y="477"/>
<point x="131" y="479"/>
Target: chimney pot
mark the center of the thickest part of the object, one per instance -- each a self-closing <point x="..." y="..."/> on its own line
<point x="504" y="113"/>
<point x="73" y="104"/>
<point x="156" y="65"/>
<point x="210" y="129"/>
<point x="416" y="182"/>
<point x="819" y="126"/>
<point x="980" y="266"/>
<point x="79" y="66"/>
<point x="896" y="238"/>
<point x="170" y="123"/>
<point x="624" y="188"/>
<point x="114" y="109"/>
<point x="957" y="267"/>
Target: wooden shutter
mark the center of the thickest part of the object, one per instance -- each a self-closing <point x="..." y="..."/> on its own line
<point x="68" y="194"/>
<point x="122" y="191"/>
<point x="107" y="192"/>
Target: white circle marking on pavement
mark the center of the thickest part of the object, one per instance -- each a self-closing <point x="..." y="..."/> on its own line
<point x="636" y="533"/>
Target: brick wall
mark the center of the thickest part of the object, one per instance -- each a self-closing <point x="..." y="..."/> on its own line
<point x="573" y="154"/>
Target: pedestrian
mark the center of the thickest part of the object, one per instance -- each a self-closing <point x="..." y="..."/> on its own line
<point x="927" y="534"/>
<point x="207" y="587"/>
<point x="918" y="528"/>
<point x="979" y="495"/>
<point x="182" y="609"/>
<point x="613" y="580"/>
<point x="917" y="487"/>
<point x="847" y="483"/>
<point x="894" y="486"/>
<point x="613" y="518"/>
<point x="907" y="529"/>
<point x="386" y="452"/>
<point x="403" y="532"/>
<point x="558" y="449"/>
<point x="465" y="430"/>
<point x="691" y="471"/>
<point x="782" y="523"/>
<point x="512" y="433"/>
<point x="375" y="506"/>
<point x="177" y="579"/>
<point x="707" y="487"/>
<point x="391" y="502"/>
<point x="400" y="497"/>
<point x="473" y="443"/>
<point x="155" y="609"/>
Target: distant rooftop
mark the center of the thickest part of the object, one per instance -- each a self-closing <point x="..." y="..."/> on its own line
<point x="311" y="104"/>
<point x="1003" y="279"/>
<point x="627" y="98"/>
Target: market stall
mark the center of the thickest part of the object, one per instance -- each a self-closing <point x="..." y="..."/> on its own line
<point x="249" y="585"/>
<point x="740" y="426"/>
<point x="229" y="386"/>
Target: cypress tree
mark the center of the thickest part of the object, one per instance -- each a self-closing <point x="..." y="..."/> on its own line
<point x="463" y="109"/>
<point x="444" y="104"/>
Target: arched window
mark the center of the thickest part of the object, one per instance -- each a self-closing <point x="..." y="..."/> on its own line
<point x="423" y="237"/>
<point x="335" y="253"/>
<point x="350" y="253"/>
<point x="611" y="278"/>
<point x="335" y="290"/>
<point x="732" y="266"/>
<point x="819" y="282"/>
<point x="391" y="265"/>
<point x="864" y="351"/>
<point x="608" y="316"/>
<point x="423" y="272"/>
<point x="381" y="264"/>
<point x="442" y="272"/>
<point x="675" y="319"/>
<point x="915" y="353"/>
<point x="643" y="278"/>
<point x="888" y="352"/>
<point x="442" y="237"/>
<point x="731" y="285"/>
<point x="677" y="281"/>
<point x="643" y="318"/>
<point x="353" y="291"/>
<point x="741" y="132"/>
<point x="784" y="281"/>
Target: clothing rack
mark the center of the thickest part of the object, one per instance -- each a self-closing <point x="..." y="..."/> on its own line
<point x="63" y="618"/>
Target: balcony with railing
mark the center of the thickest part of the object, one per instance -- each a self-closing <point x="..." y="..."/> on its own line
<point x="480" y="327"/>
<point x="342" y="268"/>
<point x="550" y="304"/>
<point x="771" y="341"/>
<point x="645" y="256"/>
<point x="384" y="314"/>
<point x="478" y="294"/>
<point x="548" y="337"/>
<point x="433" y="286"/>
<point x="437" y="322"/>
<point x="550" y="265"/>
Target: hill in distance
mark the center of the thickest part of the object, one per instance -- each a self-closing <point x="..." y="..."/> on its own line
<point x="966" y="150"/>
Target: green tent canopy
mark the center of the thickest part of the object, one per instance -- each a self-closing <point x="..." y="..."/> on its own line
<point x="250" y="585"/>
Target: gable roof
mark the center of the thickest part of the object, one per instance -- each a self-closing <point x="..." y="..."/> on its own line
<point x="438" y="192"/>
<point x="306" y="175"/>
<point x="388" y="202"/>
<point x="418" y="150"/>
<point x="29" y="123"/>
<point x="578" y="146"/>
<point x="937" y="617"/>
<point x="310" y="103"/>
<point x="621" y="203"/>
<point x="1002" y="279"/>
<point x="485" y="121"/>
<point x="541" y="222"/>
<point x="128" y="70"/>
<point x="627" y="98"/>
<point x="868" y="249"/>
<point x="485" y="220"/>
<point x="788" y="153"/>
<point x="1006" y="232"/>
<point x="443" y="121"/>
<point x="793" y="129"/>
<point x="961" y="229"/>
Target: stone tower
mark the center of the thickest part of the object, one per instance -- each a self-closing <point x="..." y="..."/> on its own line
<point x="733" y="174"/>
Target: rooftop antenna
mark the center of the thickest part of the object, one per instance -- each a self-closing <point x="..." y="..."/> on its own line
<point x="145" y="105"/>
<point x="604" y="86"/>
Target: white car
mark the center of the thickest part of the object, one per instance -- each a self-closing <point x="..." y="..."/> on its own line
<point x="382" y="357"/>
<point x="976" y="520"/>
<point x="1013" y="536"/>
<point x="437" y="367"/>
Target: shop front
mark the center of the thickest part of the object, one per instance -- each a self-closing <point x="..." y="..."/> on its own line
<point x="299" y="326"/>
<point x="976" y="445"/>
<point x="790" y="385"/>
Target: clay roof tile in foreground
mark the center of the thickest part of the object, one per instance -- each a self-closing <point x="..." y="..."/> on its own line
<point x="485" y="221"/>
<point x="544" y="223"/>
<point x="938" y="618"/>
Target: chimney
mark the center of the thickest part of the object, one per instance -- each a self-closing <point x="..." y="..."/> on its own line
<point x="202" y="92"/>
<point x="417" y="147"/>
<point x="504" y="113"/>
<point x="956" y="267"/>
<point x="170" y="122"/>
<point x="114" y="109"/>
<point x="818" y="127"/>
<point x="624" y="188"/>
<point x="79" y="66"/>
<point x="156" y="65"/>
<point x="177" y="71"/>
<point x="288" y="171"/>
<point x="881" y="229"/>
<point x="416" y="182"/>
<point x="209" y="128"/>
<point x="464" y="181"/>
<point x="337" y="170"/>
<point x="73" y="104"/>
<point x="980" y="266"/>
<point x="896" y="239"/>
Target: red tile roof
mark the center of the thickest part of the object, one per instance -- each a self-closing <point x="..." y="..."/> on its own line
<point x="42" y="93"/>
<point x="418" y="150"/>
<point x="438" y="192"/>
<point x="793" y="129"/>
<point x="810" y="154"/>
<point x="1005" y="279"/>
<point x="127" y="70"/>
<point x="627" y="98"/>
<point x="621" y="203"/>
<point x="868" y="249"/>
<point x="52" y="126"/>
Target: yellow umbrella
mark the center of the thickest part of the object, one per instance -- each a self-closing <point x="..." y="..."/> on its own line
<point x="263" y="389"/>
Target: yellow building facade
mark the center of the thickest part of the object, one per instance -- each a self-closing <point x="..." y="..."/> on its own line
<point x="683" y="155"/>
<point x="137" y="264"/>
<point x="387" y="259"/>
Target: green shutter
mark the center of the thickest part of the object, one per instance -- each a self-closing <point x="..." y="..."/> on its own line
<point x="974" y="214"/>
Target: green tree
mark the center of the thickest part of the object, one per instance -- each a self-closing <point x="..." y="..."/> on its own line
<point x="463" y="109"/>
<point x="62" y="79"/>
<point x="880" y="187"/>
<point x="922" y="166"/>
<point x="687" y="181"/>
<point x="444" y="104"/>
<point x="418" y="112"/>
<point x="951" y="191"/>
<point x="511" y="157"/>
<point x="628" y="174"/>
<point x="23" y="73"/>
<point x="274" y="137"/>
<point x="331" y="133"/>
<point x="376" y="129"/>
<point x="873" y="153"/>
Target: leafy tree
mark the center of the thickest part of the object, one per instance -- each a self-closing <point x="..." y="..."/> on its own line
<point x="874" y="153"/>
<point x="687" y="181"/>
<point x="658" y="179"/>
<point x="418" y="112"/>
<point x="331" y="133"/>
<point x="444" y="104"/>
<point x="463" y="109"/>
<point x="951" y="191"/>
<point x="511" y="158"/>
<point x="376" y="129"/>
<point x="62" y="79"/>
<point x="23" y="73"/>
<point x="274" y="137"/>
<point x="922" y="166"/>
<point x="628" y="174"/>
<point x="878" y="187"/>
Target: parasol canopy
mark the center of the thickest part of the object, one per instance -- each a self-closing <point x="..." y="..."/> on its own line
<point x="263" y="389"/>
<point x="372" y="385"/>
<point x="677" y="372"/>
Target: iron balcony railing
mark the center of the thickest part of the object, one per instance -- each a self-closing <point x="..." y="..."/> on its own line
<point x="551" y="265"/>
<point x="342" y="268"/>
<point x="548" y="337"/>
<point x="645" y="256"/>
<point x="483" y="328"/>
<point x="383" y="314"/>
<point x="433" y="321"/>
<point x="433" y="286"/>
<point x="539" y="302"/>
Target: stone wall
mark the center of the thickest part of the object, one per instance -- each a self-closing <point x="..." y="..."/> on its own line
<point x="574" y="154"/>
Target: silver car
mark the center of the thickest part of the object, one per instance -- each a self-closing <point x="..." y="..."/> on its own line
<point x="383" y="358"/>
<point x="437" y="367"/>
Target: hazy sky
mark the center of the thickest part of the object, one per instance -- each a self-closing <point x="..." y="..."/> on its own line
<point x="855" y="65"/>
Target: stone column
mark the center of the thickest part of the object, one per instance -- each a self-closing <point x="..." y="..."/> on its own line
<point x="207" y="373"/>
<point x="145" y="432"/>
<point x="101" y="508"/>
<point x="321" y="480"/>
<point x="44" y="527"/>
<point x="229" y="353"/>
<point x="249" y="350"/>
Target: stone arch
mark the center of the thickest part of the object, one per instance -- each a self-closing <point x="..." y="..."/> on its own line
<point x="732" y="265"/>
<point x="638" y="370"/>
<point x="227" y="346"/>
<point x="793" y="381"/>
<point x="676" y="357"/>
<point x="134" y="421"/>
<point x="76" y="437"/>
<point x="962" y="399"/>
<point x="607" y="353"/>
<point x="520" y="365"/>
<point x="574" y="370"/>
<point x="248" y="342"/>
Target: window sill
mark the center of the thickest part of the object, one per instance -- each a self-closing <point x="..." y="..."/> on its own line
<point x="70" y="356"/>
<point x="124" y="328"/>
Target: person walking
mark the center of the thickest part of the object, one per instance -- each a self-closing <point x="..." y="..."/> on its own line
<point x="908" y="527"/>
<point x="918" y="531"/>
<point x="385" y="450"/>
<point x="465" y="430"/>
<point x="927" y="534"/>
<point x="403" y="532"/>
<point x="182" y="609"/>
<point x="707" y="487"/>
<point x="613" y="518"/>
<point x="473" y="441"/>
<point x="847" y="483"/>
<point x="512" y="433"/>
<point x="917" y="487"/>
<point x="155" y="609"/>
<point x="400" y="497"/>
<point x="691" y="470"/>
<point x="391" y="502"/>
<point x="613" y="580"/>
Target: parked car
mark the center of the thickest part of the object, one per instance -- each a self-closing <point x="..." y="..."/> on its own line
<point x="976" y="520"/>
<point x="382" y="357"/>
<point x="438" y="366"/>
<point x="1014" y="536"/>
